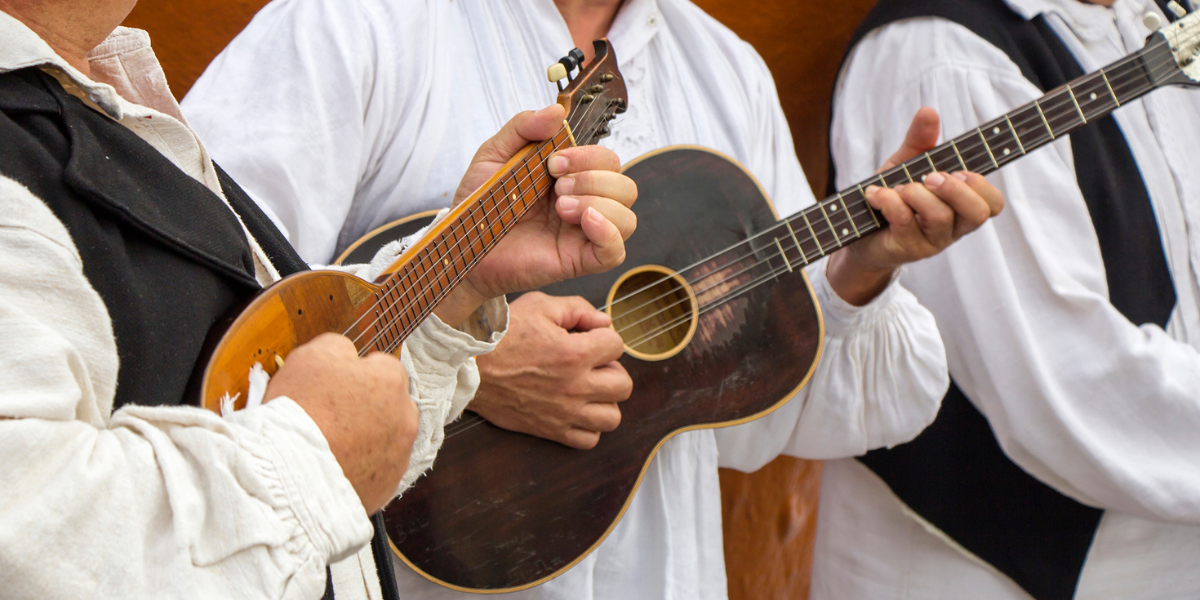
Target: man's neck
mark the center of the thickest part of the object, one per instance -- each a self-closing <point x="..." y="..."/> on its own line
<point x="70" y="27"/>
<point x="587" y="20"/>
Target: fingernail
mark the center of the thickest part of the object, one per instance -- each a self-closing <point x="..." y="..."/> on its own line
<point x="564" y="186"/>
<point x="872" y="190"/>
<point x="557" y="166"/>
<point x="593" y="215"/>
<point x="568" y="203"/>
<point x="934" y="180"/>
<point x="961" y="176"/>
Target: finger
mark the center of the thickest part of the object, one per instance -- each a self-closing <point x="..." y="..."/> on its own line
<point x="602" y="345"/>
<point x="580" y="438"/>
<point x="607" y="248"/>
<point x="611" y="382"/>
<point x="572" y="208"/>
<point x="578" y="159"/>
<point x="525" y="127"/>
<point x="935" y="217"/>
<point x="970" y="209"/>
<point x="599" y="416"/>
<point x="576" y="313"/>
<point x="922" y="135"/>
<point x="605" y="184"/>
<point x="333" y="343"/>
<point x="983" y="187"/>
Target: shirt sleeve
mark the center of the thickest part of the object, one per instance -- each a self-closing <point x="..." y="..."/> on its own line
<point x="1100" y="408"/>
<point x="302" y="104"/>
<point x="882" y="372"/>
<point x="152" y="501"/>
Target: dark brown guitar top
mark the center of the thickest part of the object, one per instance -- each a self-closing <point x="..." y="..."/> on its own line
<point x="505" y="511"/>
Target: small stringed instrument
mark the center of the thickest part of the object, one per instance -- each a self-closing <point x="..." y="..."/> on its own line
<point x="720" y="327"/>
<point x="298" y="308"/>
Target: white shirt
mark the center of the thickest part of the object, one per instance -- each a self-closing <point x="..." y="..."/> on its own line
<point x="1101" y="409"/>
<point x="408" y="90"/>
<point x="149" y="501"/>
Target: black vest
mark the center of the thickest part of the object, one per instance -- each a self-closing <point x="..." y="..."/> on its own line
<point x="955" y="474"/>
<point x="165" y="254"/>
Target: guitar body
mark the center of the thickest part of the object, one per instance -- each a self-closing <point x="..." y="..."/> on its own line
<point x="503" y="511"/>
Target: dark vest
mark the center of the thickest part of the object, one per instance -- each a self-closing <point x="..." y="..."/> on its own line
<point x="167" y="257"/>
<point x="955" y="474"/>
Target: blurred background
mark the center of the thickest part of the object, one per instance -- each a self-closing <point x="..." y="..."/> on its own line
<point x="770" y="516"/>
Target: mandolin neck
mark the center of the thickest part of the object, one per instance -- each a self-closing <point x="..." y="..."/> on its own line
<point x="426" y="272"/>
<point x="846" y="217"/>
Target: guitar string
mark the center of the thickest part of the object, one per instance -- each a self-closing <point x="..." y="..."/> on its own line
<point x="965" y="151"/>
<point x="1156" y="44"/>
<point x="646" y="336"/>
<point x="443" y="250"/>
<point x="1156" y="78"/>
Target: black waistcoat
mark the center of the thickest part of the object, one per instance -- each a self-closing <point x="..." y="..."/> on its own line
<point x="167" y="257"/>
<point x="955" y="475"/>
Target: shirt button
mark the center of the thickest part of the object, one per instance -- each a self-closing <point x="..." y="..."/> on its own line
<point x="652" y="21"/>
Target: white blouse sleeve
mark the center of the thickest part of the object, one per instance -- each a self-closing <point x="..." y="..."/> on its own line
<point x="882" y="371"/>
<point x="152" y="501"/>
<point x="303" y="102"/>
<point x="1103" y="409"/>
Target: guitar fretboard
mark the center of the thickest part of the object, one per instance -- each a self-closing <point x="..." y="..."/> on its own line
<point x="846" y="216"/>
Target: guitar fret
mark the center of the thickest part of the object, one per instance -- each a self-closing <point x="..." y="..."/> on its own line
<point x="906" y="173"/>
<point x="849" y="216"/>
<point x="831" y="229"/>
<point x="1015" y="136"/>
<point x="813" y="233"/>
<point x="1110" y="89"/>
<point x="783" y="254"/>
<point x="1076" y="102"/>
<point x="961" y="162"/>
<point x="1038" y="106"/>
<point x="871" y="211"/>
<point x="988" y="148"/>
<point x="791" y="232"/>
<point x="931" y="165"/>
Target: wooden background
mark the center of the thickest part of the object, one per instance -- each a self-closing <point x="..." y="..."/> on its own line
<point x="770" y="516"/>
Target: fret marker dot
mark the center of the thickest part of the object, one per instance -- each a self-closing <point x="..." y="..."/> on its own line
<point x="995" y="131"/>
<point x="923" y="177"/>
<point x="514" y="197"/>
<point x="832" y="207"/>
<point x="446" y="261"/>
<point x="1092" y="96"/>
<point x="845" y="231"/>
<point x="1006" y="151"/>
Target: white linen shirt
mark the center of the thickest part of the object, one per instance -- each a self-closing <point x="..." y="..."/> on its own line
<point x="158" y="502"/>
<point x="406" y="90"/>
<point x="1101" y="409"/>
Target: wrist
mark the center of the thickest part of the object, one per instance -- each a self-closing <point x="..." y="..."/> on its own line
<point x="459" y="304"/>
<point x="854" y="280"/>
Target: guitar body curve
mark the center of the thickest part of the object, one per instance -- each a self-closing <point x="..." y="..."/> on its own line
<point x="503" y="511"/>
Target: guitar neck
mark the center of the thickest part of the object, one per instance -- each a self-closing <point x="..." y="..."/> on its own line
<point x="846" y="217"/>
<point x="422" y="276"/>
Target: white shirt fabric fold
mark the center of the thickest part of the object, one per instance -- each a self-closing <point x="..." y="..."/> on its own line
<point x="160" y="501"/>
<point x="1099" y="408"/>
<point x="341" y="116"/>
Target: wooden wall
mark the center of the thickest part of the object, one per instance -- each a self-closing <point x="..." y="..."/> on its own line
<point x="770" y="516"/>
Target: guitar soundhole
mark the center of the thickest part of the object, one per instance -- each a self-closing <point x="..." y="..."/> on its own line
<point x="654" y="310"/>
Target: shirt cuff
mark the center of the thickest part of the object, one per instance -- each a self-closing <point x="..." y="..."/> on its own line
<point x="306" y="476"/>
<point x="840" y="316"/>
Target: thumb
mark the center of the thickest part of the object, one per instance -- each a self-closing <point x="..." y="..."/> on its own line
<point x="526" y="127"/>
<point x="922" y="135"/>
<point x="577" y="314"/>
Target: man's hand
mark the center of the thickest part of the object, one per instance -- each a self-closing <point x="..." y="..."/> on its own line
<point x="582" y="229"/>
<point x="923" y="219"/>
<point x="555" y="375"/>
<point x="362" y="407"/>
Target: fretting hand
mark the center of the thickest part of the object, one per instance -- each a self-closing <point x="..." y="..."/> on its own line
<point x="582" y="229"/>
<point x="923" y="218"/>
<point x="555" y="375"/>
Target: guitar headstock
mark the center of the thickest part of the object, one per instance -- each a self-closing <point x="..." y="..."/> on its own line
<point x="594" y="96"/>
<point x="1183" y="39"/>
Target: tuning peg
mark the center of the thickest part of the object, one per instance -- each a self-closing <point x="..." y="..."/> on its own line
<point x="577" y="55"/>
<point x="1152" y="21"/>
<point x="1174" y="7"/>
<point x="556" y="72"/>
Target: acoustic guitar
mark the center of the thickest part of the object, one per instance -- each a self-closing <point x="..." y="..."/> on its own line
<point x="720" y="327"/>
<point x="378" y="318"/>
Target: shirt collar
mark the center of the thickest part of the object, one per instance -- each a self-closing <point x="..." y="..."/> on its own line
<point x="21" y="48"/>
<point x="1088" y="21"/>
